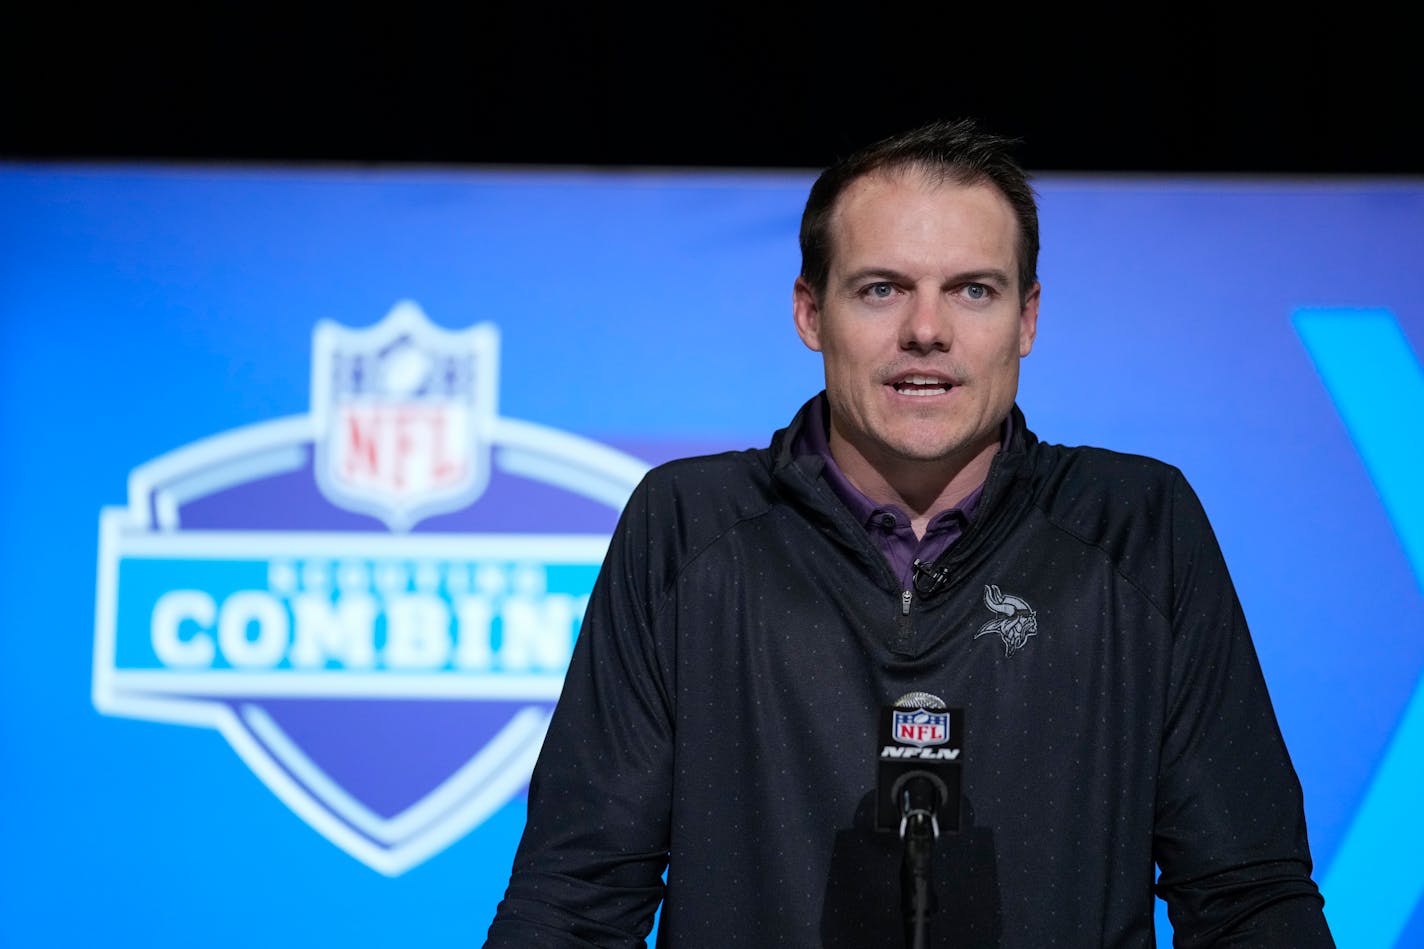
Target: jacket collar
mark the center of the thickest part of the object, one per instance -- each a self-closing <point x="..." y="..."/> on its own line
<point x="1006" y="487"/>
<point x="784" y="441"/>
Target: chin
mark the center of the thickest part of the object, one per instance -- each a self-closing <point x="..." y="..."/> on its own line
<point x="922" y="450"/>
<point x="939" y="445"/>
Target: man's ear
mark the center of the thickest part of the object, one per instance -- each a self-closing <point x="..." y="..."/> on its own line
<point x="1028" y="321"/>
<point x="806" y="311"/>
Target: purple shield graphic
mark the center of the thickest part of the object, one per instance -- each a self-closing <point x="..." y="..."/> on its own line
<point x="380" y="641"/>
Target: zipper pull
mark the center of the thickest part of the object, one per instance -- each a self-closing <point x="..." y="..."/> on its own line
<point x="904" y="640"/>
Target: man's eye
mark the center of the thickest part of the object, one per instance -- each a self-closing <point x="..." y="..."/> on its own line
<point x="976" y="291"/>
<point x="879" y="291"/>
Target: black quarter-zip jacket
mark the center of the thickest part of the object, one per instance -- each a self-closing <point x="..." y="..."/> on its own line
<point x="718" y="721"/>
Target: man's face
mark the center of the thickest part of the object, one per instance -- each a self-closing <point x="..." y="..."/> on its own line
<point x="921" y="325"/>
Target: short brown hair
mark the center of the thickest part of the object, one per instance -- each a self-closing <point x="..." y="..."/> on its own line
<point x="957" y="151"/>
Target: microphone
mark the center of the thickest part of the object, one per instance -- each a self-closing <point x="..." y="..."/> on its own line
<point x="919" y="771"/>
<point x="928" y="578"/>
<point x="920" y="763"/>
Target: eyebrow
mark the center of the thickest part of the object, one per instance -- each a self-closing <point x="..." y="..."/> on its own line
<point x="989" y="276"/>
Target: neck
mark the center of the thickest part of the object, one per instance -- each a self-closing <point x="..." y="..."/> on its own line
<point x="921" y="488"/>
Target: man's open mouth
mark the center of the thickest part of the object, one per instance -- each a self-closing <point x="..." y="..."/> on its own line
<point x="921" y="385"/>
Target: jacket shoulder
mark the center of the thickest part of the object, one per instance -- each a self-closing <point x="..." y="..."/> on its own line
<point x="725" y="477"/>
<point x="1135" y="509"/>
<point x="1082" y="481"/>
<point x="700" y="497"/>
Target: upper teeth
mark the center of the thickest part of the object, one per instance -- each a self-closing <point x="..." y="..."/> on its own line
<point x="921" y="381"/>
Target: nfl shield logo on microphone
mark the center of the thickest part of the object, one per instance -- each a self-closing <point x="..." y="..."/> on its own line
<point x="920" y="727"/>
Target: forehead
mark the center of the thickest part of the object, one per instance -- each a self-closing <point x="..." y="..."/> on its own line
<point x="912" y="215"/>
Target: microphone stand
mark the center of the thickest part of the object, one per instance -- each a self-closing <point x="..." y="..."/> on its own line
<point x="919" y="828"/>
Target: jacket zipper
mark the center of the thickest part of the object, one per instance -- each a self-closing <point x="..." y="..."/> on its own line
<point x="905" y="626"/>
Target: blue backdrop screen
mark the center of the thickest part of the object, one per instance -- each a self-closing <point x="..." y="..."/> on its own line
<point x="308" y="474"/>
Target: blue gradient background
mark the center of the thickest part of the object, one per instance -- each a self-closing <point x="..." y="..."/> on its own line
<point x="146" y="307"/>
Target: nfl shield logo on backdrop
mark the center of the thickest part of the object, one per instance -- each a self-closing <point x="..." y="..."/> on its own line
<point x="403" y="413"/>
<point x="921" y="727"/>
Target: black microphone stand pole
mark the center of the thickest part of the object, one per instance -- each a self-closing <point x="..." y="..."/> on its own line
<point x="919" y="828"/>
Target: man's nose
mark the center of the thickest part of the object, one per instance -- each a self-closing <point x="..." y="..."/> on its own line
<point x="926" y="326"/>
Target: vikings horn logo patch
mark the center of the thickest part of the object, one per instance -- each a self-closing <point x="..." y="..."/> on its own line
<point x="1016" y="623"/>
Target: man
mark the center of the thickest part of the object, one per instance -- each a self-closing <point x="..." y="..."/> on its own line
<point x="908" y="532"/>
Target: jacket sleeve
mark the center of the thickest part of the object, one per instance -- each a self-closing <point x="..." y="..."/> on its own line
<point x="588" y="871"/>
<point x="1229" y="837"/>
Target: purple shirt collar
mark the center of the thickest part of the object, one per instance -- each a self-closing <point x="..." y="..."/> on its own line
<point x="888" y="525"/>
